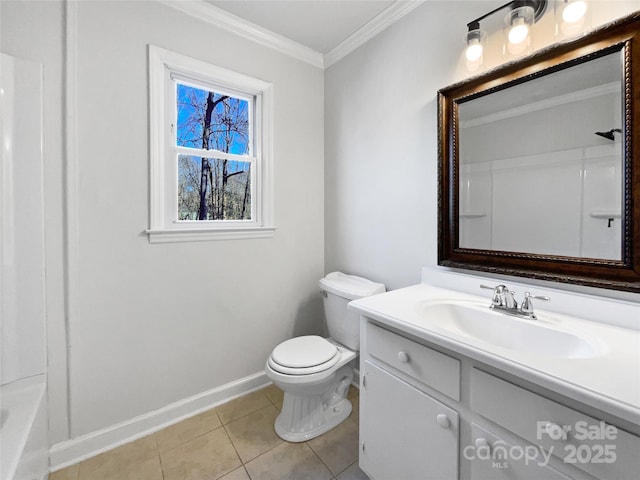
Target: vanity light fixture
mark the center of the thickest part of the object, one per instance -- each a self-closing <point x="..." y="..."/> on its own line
<point x="574" y="10"/>
<point x="474" y="42"/>
<point x="522" y="15"/>
<point x="518" y="23"/>
<point x="571" y="16"/>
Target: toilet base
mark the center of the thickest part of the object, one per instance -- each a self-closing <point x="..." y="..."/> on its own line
<point x="305" y="416"/>
<point x="336" y="416"/>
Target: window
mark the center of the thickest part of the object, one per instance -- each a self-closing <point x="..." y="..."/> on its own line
<point x="210" y="151"/>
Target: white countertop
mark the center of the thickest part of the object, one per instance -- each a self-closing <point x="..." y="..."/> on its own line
<point x="609" y="381"/>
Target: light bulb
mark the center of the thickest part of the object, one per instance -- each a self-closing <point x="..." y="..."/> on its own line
<point x="519" y="32"/>
<point x="475" y="39"/>
<point x="474" y="51"/>
<point x="574" y="11"/>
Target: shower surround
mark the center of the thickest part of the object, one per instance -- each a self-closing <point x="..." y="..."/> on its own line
<point x="23" y="403"/>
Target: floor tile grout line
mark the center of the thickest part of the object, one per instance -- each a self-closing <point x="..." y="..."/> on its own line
<point x="155" y="440"/>
<point x="348" y="467"/>
<point x="269" y="404"/>
<point x="233" y="445"/>
<point x="244" y="415"/>
<point x="129" y="464"/>
<point x="161" y="467"/>
<point x="263" y="453"/>
<point x="319" y="458"/>
<point x="222" y="424"/>
<point x="273" y="402"/>
<point x="189" y="440"/>
<point x="224" y="427"/>
<point x="246" y="471"/>
<point x="244" y="464"/>
<point x="250" y="413"/>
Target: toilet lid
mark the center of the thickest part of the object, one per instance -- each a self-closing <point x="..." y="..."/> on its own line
<point x="304" y="355"/>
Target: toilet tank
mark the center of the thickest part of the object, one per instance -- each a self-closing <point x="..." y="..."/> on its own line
<point x="338" y="290"/>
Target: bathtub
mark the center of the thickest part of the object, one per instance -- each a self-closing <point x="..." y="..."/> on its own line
<point x="23" y="429"/>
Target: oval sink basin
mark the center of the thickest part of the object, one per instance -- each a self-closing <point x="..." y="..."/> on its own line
<point x="472" y="320"/>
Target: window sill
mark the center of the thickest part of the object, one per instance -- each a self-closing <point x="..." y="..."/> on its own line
<point x="208" y="234"/>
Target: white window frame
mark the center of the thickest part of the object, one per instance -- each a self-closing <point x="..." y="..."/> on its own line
<point x="165" y="68"/>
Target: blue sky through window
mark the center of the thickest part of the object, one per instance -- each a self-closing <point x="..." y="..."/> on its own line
<point x="229" y="123"/>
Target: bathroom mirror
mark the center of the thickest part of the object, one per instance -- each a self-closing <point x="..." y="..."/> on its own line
<point x="539" y="167"/>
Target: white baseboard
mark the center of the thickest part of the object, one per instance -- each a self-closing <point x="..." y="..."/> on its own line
<point x="72" y="451"/>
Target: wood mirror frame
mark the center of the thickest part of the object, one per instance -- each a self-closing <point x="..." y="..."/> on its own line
<point x="622" y="35"/>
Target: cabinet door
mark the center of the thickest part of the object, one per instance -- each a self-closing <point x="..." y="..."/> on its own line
<point x="404" y="433"/>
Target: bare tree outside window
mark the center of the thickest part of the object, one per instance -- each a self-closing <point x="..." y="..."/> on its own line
<point x="209" y="187"/>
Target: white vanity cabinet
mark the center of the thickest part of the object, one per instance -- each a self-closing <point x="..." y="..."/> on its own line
<point x="430" y="413"/>
<point x="404" y="432"/>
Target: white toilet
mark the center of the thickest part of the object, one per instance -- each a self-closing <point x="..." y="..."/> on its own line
<point x="314" y="372"/>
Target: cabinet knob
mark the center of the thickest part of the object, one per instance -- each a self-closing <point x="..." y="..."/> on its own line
<point x="443" y="421"/>
<point x="403" y="357"/>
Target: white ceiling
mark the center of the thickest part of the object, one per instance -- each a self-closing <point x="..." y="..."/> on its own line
<point x="321" y="25"/>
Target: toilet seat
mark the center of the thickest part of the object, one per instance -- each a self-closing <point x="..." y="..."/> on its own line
<point x="304" y="356"/>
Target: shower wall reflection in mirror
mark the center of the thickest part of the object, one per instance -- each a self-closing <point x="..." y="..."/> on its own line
<point x="543" y="174"/>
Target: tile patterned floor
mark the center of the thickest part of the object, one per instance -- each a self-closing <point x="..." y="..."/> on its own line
<point x="235" y="441"/>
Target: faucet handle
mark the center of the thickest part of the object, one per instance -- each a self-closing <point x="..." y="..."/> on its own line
<point x="498" y="293"/>
<point x="527" y="304"/>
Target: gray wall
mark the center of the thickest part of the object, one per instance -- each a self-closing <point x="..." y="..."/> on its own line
<point x="380" y="144"/>
<point x="380" y="137"/>
<point x="157" y="323"/>
<point x="153" y="324"/>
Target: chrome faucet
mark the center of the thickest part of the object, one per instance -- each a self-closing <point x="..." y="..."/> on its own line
<point x="504" y="301"/>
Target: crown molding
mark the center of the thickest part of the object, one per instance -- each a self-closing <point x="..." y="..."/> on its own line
<point x="234" y="24"/>
<point x="383" y="20"/>
<point x="246" y="29"/>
